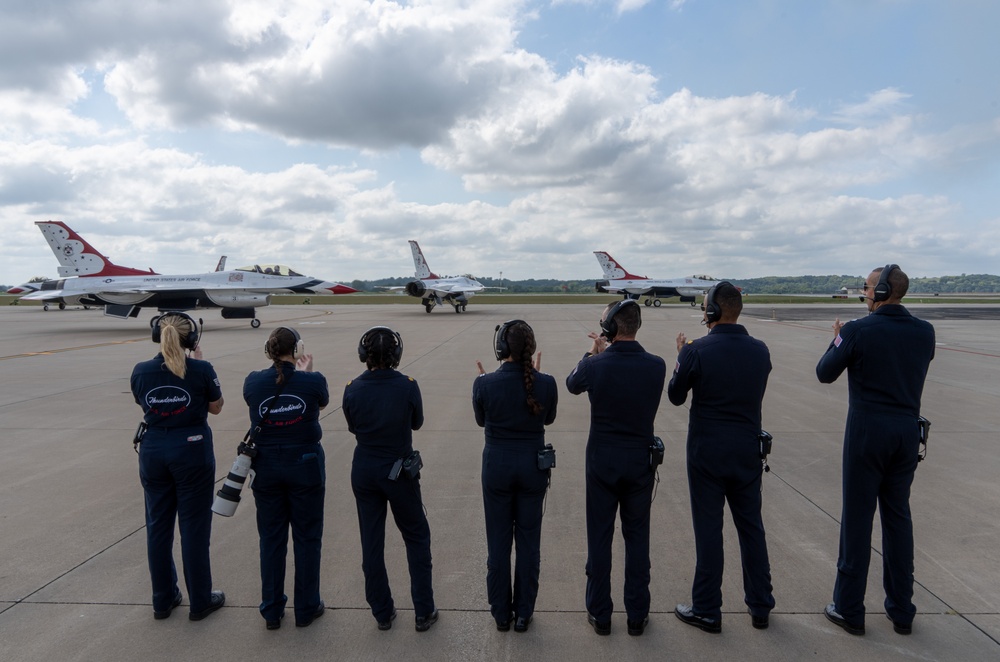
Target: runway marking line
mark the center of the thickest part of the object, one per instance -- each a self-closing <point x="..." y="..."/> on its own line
<point x="49" y="352"/>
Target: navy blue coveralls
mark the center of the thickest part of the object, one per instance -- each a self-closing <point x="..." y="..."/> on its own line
<point x="382" y="408"/>
<point x="177" y="471"/>
<point x="513" y="486"/>
<point x="727" y="372"/>
<point x="624" y="384"/>
<point x="886" y="355"/>
<point x="290" y="485"/>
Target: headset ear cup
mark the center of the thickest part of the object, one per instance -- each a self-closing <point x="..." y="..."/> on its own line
<point x="300" y="349"/>
<point x="883" y="289"/>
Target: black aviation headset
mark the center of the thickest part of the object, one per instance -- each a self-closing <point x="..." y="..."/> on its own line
<point x="189" y="342"/>
<point x="369" y="335"/>
<point x="712" y="310"/>
<point x="298" y="350"/>
<point x="501" y="348"/>
<point x="609" y="327"/>
<point x="883" y="290"/>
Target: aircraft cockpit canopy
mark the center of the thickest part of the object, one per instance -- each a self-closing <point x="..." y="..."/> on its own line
<point x="270" y="269"/>
<point x="703" y="277"/>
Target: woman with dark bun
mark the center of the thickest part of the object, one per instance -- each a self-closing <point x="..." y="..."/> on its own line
<point x="514" y="404"/>
<point x="290" y="484"/>
<point x="177" y="392"/>
<point x="383" y="407"/>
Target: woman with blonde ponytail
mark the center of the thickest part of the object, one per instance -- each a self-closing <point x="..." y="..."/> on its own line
<point x="514" y="404"/>
<point x="177" y="391"/>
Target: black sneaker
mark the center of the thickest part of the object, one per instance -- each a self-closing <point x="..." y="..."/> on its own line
<point x="636" y="628"/>
<point x="504" y="626"/>
<point x="307" y="621"/>
<point x="603" y="629"/>
<point x="387" y="624"/>
<point x="851" y="628"/>
<point x="160" y="615"/>
<point x="900" y="628"/>
<point x="759" y="622"/>
<point x="424" y="623"/>
<point x="218" y="599"/>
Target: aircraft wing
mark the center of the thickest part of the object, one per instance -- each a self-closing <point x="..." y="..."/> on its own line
<point x="48" y="295"/>
<point x="443" y="289"/>
<point x="637" y="287"/>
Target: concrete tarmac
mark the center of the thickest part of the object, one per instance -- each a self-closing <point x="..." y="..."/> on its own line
<point x="73" y="578"/>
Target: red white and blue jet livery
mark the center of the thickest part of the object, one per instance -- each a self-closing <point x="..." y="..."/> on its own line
<point x="434" y="290"/>
<point x="619" y="280"/>
<point x="88" y="278"/>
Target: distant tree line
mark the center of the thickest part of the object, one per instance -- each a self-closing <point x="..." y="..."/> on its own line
<point x="966" y="283"/>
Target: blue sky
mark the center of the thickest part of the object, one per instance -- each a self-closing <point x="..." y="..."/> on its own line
<point x="739" y="139"/>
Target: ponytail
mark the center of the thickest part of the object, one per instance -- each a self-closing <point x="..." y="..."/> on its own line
<point x="280" y="343"/>
<point x="521" y="340"/>
<point x="170" y="344"/>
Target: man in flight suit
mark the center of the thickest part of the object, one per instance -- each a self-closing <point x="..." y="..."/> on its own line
<point x="886" y="355"/>
<point x="624" y="383"/>
<point x="727" y="372"/>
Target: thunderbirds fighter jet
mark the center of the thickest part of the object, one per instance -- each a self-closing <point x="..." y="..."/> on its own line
<point x="433" y="290"/>
<point x="631" y="286"/>
<point x="89" y="278"/>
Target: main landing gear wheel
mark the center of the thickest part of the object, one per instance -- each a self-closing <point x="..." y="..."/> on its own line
<point x="62" y="306"/>
<point x="693" y="304"/>
<point x="648" y="302"/>
<point x="458" y="308"/>
<point x="428" y="307"/>
<point x="656" y="303"/>
<point x="463" y="307"/>
<point x="255" y="323"/>
<point x="45" y="307"/>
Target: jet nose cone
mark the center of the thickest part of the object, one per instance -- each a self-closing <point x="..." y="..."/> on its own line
<point x="16" y="290"/>
<point x="337" y="288"/>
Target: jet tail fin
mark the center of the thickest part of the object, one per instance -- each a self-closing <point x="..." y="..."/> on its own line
<point x="221" y="266"/>
<point x="77" y="257"/>
<point x="613" y="270"/>
<point x="420" y="268"/>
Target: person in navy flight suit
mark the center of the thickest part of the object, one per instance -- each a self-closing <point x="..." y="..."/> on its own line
<point x="177" y="463"/>
<point x="726" y="371"/>
<point x="624" y="383"/>
<point x="886" y="355"/>
<point x="513" y="405"/>
<point x="290" y="466"/>
<point x="383" y="407"/>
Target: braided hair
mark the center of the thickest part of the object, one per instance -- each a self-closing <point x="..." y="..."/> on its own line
<point x="521" y="340"/>
<point x="280" y="343"/>
<point x="380" y="346"/>
<point x="174" y="329"/>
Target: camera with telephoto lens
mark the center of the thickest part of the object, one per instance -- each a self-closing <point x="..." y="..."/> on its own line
<point x="227" y="498"/>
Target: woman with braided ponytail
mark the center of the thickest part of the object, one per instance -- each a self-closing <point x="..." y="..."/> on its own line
<point x="177" y="391"/>
<point x="514" y="404"/>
